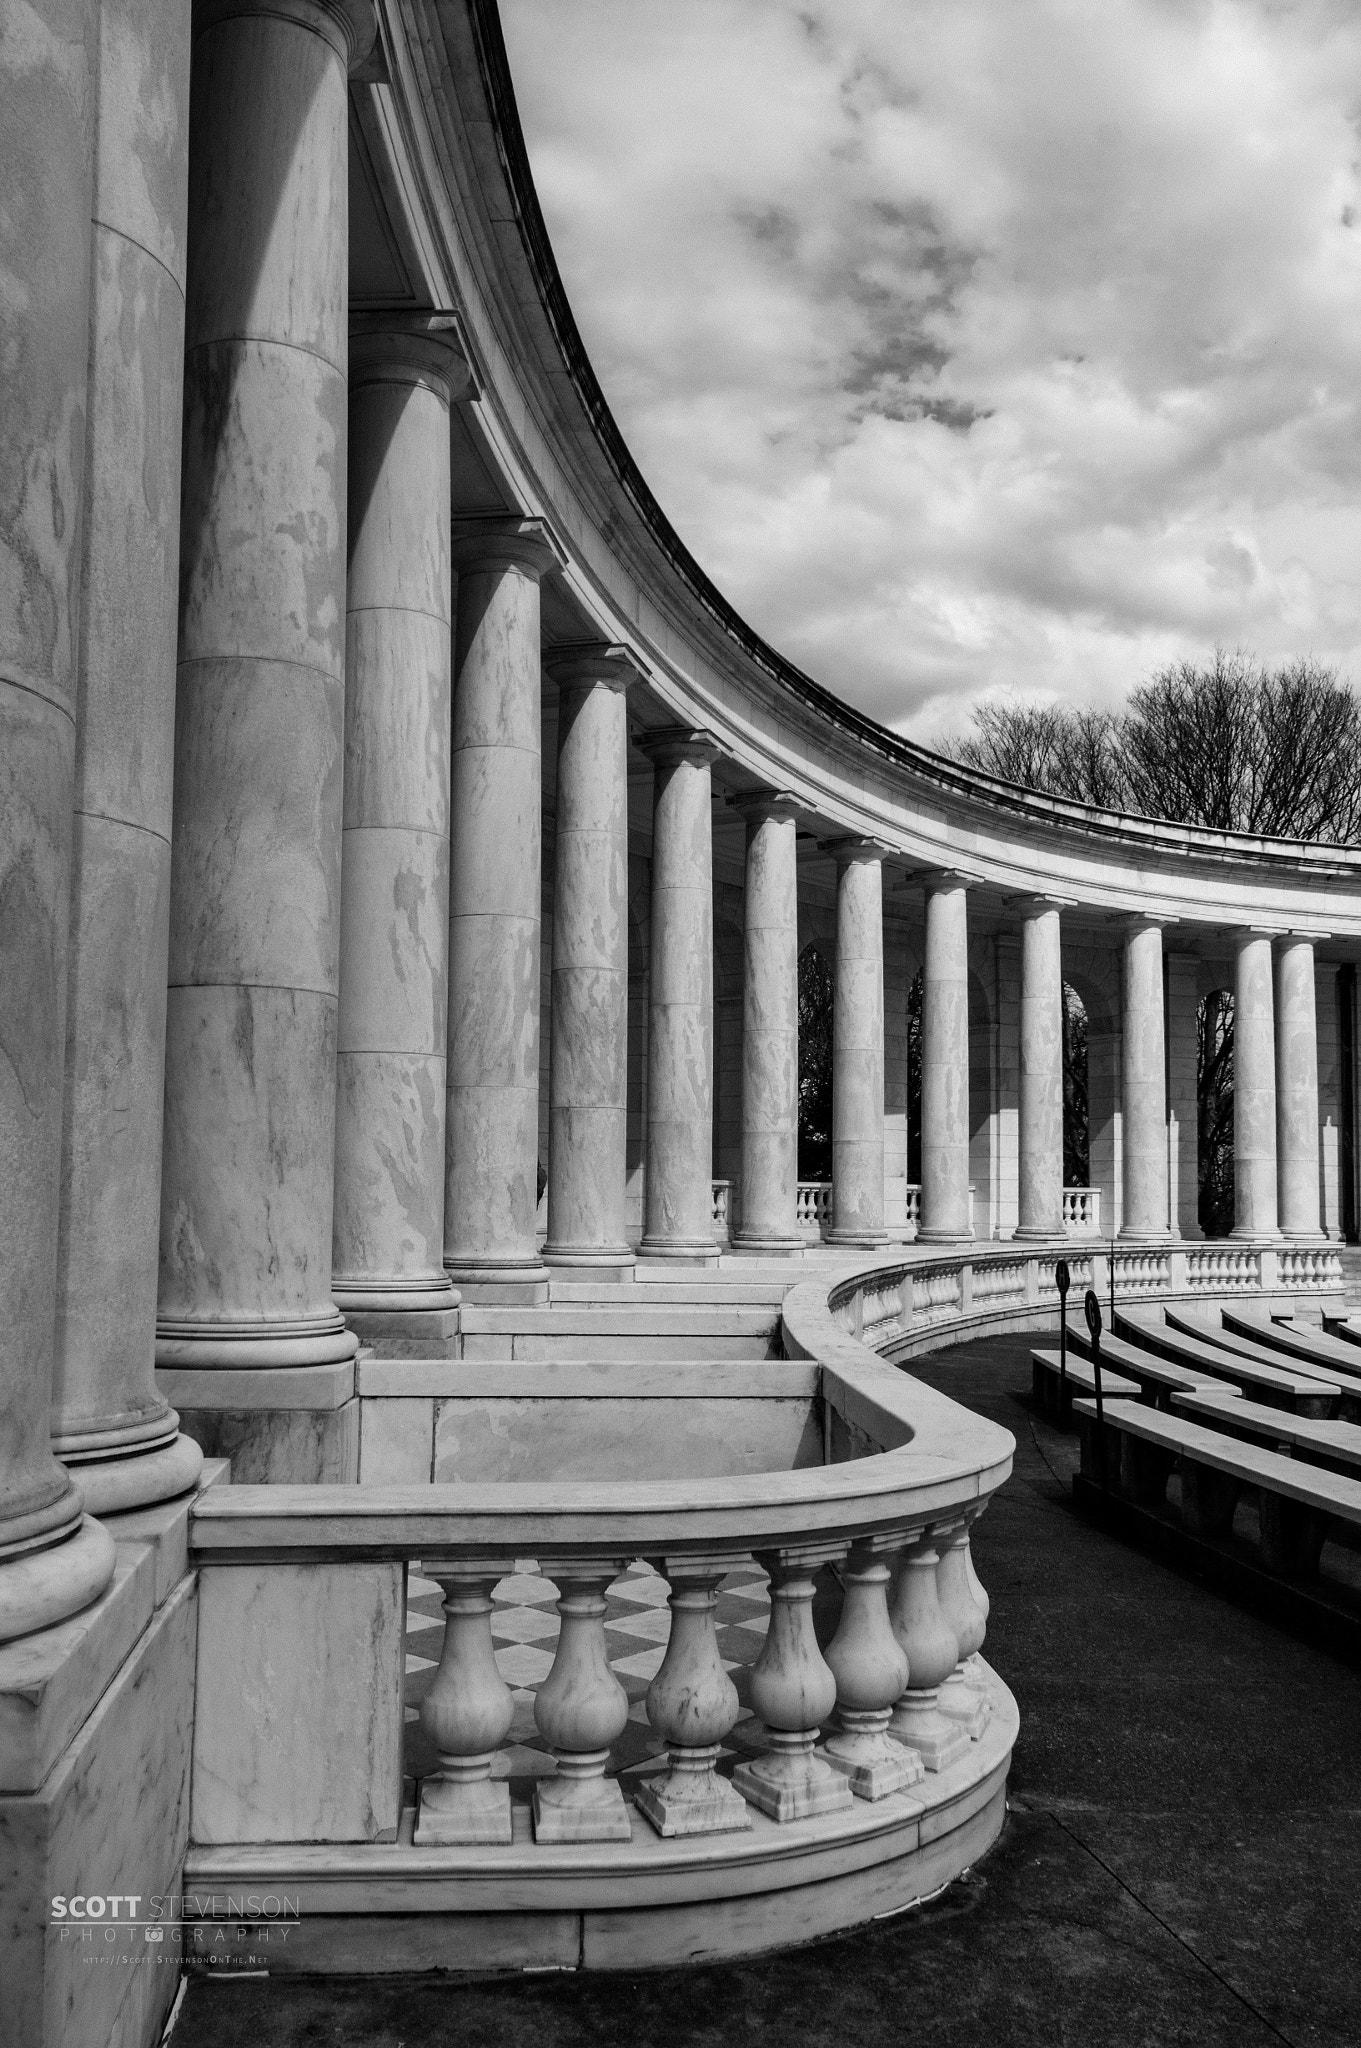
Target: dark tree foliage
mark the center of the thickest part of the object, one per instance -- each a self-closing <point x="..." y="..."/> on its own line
<point x="815" y="1066"/>
<point x="914" y="1082"/>
<point x="1076" y="1121"/>
<point x="1234" y="747"/>
<point x="1214" y="1113"/>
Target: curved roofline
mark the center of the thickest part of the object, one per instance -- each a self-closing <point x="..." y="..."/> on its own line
<point x="1036" y="806"/>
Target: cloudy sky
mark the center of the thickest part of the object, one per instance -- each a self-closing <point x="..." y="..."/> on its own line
<point x="976" y="345"/>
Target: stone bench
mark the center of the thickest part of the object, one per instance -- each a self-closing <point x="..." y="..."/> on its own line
<point x="1307" y="1346"/>
<point x="1142" y="1447"/>
<point x="1334" y="1445"/>
<point x="1304" y="1393"/>
<point x="1047" y="1378"/>
<point x="1157" y="1378"/>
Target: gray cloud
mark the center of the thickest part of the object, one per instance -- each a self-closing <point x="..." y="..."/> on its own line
<point x="975" y="345"/>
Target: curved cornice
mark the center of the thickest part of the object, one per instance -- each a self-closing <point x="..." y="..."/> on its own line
<point x="561" y="456"/>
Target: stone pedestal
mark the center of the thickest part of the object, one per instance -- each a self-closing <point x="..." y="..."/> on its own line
<point x="678" y="1221"/>
<point x="246" y="1199"/>
<point x="109" y="1422"/>
<point x="466" y="1713"/>
<point x="388" y="1230"/>
<point x="768" y="1192"/>
<point x="50" y="1563"/>
<point x="495" y="892"/>
<point x="945" y="1064"/>
<point x="692" y="1703"/>
<point x="858" y="1047"/>
<point x="793" y="1689"/>
<point x="588" y="1062"/>
<point x="1254" y="1090"/>
<point x="1040" y="1202"/>
<point x="581" y="1709"/>
<point x="1297" y="1126"/>
<point x="1144" y="1087"/>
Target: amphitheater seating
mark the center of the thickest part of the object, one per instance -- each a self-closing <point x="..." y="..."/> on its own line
<point x="1306" y="1345"/>
<point x="1280" y="1385"/>
<point x="1157" y="1378"/>
<point x="1298" y="1501"/>
<point x="1047" y="1384"/>
<point x="1335" y="1445"/>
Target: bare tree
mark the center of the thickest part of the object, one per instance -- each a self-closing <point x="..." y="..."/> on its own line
<point x="815" y="1066"/>
<point x="1233" y="746"/>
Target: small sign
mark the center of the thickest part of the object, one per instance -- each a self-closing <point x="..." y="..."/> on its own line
<point x="1062" y="1278"/>
<point x="1093" y="1311"/>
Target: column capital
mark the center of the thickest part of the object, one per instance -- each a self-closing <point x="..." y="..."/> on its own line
<point x="412" y="348"/>
<point x="1134" y="922"/>
<point x="1036" y="902"/>
<point x="666" y="746"/>
<point x="1294" y="937"/>
<point x="349" y="26"/>
<point x="1249" y="934"/>
<point x="506" y="541"/>
<point x="756" y="805"/>
<point x="933" y="880"/>
<point x="855" y="847"/>
<point x="579" y="665"/>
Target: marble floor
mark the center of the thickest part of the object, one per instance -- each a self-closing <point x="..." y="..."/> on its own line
<point x="525" y="1633"/>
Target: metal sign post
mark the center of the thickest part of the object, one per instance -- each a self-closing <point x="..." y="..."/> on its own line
<point x="1093" y="1311"/>
<point x="1062" y="1280"/>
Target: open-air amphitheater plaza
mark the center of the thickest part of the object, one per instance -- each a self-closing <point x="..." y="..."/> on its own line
<point x="469" y="1578"/>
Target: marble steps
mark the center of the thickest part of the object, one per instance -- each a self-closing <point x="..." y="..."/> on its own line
<point x="598" y="1333"/>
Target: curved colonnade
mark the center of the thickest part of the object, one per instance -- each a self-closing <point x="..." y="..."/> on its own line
<point x="395" y="823"/>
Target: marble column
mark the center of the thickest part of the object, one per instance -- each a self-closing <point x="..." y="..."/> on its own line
<point x="858" y="1046"/>
<point x="52" y="1561"/>
<point x="1144" y="1086"/>
<point x="945" y="1063"/>
<point x="388" y="1228"/>
<point x="1254" y="1089"/>
<point x="1040" y="1169"/>
<point x="1183" y="1115"/>
<point x="588" y="1052"/>
<point x="248" y="1164"/>
<point x="495" y="904"/>
<point x="678" y="1220"/>
<point x="1297" y="1118"/>
<point x="108" y="1418"/>
<point x="768" y="1191"/>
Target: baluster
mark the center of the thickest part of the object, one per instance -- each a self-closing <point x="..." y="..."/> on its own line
<point x="580" y="1710"/>
<point x="976" y="1587"/>
<point x="692" y="1703"/>
<point x="466" y="1713"/>
<point x="964" y="1695"/>
<point x="870" y="1668"/>
<point x="932" y="1654"/>
<point x="793" y="1690"/>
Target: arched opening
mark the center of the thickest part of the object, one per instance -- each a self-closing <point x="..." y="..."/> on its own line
<point x="914" y="1081"/>
<point x="1077" y="1142"/>
<point x="1214" y="1112"/>
<point x="815" y="1066"/>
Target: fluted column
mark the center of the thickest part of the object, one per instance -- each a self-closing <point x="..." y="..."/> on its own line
<point x="1144" y="1086"/>
<point x="945" y="1063"/>
<point x="1040" y="1203"/>
<point x="588" y="1056"/>
<point x="246" y="1195"/>
<point x="770" y="1027"/>
<point x="495" y="898"/>
<point x="109" y="1422"/>
<point x="51" y="1562"/>
<point x="858" y="1046"/>
<point x="388" y="1230"/>
<point x="1297" y="1132"/>
<point x="680" y="1039"/>
<point x="1254" y="1089"/>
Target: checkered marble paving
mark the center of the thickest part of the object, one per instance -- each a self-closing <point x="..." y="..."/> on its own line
<point x="524" y="1635"/>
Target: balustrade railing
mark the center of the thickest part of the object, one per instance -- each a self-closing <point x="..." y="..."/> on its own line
<point x="1220" y="1269"/>
<point x="1082" y="1211"/>
<point x="813" y="1206"/>
<point x="1308" y="1266"/>
<point x="720" y="1211"/>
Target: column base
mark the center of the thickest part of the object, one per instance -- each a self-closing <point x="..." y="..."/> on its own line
<point x="42" y="1587"/>
<point x="873" y="1763"/>
<point x="689" y="1251"/>
<point x="792" y="1782"/>
<point x="463" y="1810"/>
<point x="1272" y="1236"/>
<point x="501" y="1283"/>
<point x="430" y="1295"/>
<point x="407" y="1333"/>
<point x="601" y="1262"/>
<point x="253" y="1344"/>
<point x="942" y="1236"/>
<point x="858" y="1240"/>
<point x="692" y="1799"/>
<point x="580" y="1809"/>
<point x="770" y="1247"/>
<point x="918" y="1721"/>
<point x="138" y="1478"/>
<point x="1034" y="1235"/>
<point x="1154" y="1239"/>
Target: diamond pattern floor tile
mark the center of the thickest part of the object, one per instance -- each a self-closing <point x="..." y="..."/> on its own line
<point x="524" y="1625"/>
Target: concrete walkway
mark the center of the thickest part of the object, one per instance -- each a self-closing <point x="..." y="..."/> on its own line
<point x="1182" y="1862"/>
